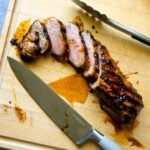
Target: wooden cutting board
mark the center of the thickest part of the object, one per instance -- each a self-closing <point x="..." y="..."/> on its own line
<point x="6" y="24"/>
<point x="132" y="56"/>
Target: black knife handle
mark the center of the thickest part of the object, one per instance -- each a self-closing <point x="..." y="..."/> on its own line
<point x="141" y="38"/>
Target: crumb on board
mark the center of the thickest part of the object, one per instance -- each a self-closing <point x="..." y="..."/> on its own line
<point x="96" y="31"/>
<point x="93" y="27"/>
<point x="9" y="102"/>
<point x="137" y="82"/>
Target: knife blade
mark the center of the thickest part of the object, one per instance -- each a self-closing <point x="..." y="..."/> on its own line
<point x="136" y="35"/>
<point x="60" y="112"/>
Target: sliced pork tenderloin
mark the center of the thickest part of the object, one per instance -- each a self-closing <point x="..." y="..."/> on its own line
<point x="76" y="46"/>
<point x="56" y="33"/>
<point x="92" y="59"/>
<point x="35" y="42"/>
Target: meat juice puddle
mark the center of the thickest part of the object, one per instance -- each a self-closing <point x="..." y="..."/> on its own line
<point x="124" y="134"/>
<point x="74" y="88"/>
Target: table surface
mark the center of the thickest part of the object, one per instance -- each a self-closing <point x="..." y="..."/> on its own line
<point x="3" y="10"/>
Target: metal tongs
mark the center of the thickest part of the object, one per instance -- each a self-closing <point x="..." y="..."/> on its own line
<point x="138" y="36"/>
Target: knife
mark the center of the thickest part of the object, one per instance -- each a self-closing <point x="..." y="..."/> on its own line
<point x="65" y="117"/>
<point x="138" y="36"/>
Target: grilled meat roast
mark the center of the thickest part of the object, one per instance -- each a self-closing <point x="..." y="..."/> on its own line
<point x="77" y="46"/>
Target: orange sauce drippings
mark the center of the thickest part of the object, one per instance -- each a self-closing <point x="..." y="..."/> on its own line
<point x="74" y="88"/>
<point x="21" y="30"/>
<point x="135" y="142"/>
<point x="116" y="126"/>
<point x="21" y="114"/>
<point x="123" y="134"/>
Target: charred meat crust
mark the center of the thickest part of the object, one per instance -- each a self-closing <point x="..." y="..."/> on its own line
<point x="34" y="42"/>
<point x="117" y="94"/>
<point x="77" y="21"/>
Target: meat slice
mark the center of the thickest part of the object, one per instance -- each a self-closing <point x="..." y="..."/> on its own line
<point x="56" y="33"/>
<point x="76" y="47"/>
<point x="35" y="42"/>
<point x="92" y="59"/>
<point x="118" y="97"/>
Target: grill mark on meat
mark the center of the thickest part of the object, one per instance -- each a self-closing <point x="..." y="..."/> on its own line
<point x="121" y="97"/>
<point x="35" y="42"/>
<point x="116" y="75"/>
<point x="120" y="113"/>
<point x="96" y="83"/>
<point x="111" y="83"/>
<point x="76" y="47"/>
<point x="54" y="29"/>
<point x="124" y="109"/>
<point x="118" y="85"/>
<point x="63" y="31"/>
<point x="112" y="111"/>
<point x="115" y="111"/>
<point x="108" y="108"/>
<point x="43" y="39"/>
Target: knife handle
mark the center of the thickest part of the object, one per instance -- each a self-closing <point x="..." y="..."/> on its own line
<point x="104" y="142"/>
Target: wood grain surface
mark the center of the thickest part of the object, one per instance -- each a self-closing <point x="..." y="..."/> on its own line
<point x="132" y="56"/>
